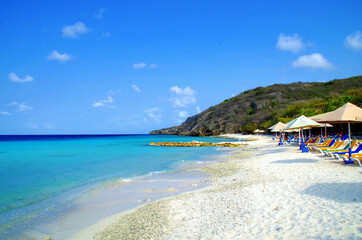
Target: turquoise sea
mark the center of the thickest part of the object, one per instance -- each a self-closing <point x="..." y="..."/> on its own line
<point x="42" y="176"/>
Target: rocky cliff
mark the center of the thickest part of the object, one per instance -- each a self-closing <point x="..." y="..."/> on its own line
<point x="263" y="106"/>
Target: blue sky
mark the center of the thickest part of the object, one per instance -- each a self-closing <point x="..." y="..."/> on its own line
<point x="133" y="66"/>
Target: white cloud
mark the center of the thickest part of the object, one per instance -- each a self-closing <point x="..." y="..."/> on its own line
<point x="15" y="78"/>
<point x="104" y="103"/>
<point x="5" y="113"/>
<point x="292" y="43"/>
<point x="99" y="14"/>
<point x="182" y="114"/>
<point x="21" y="107"/>
<point x="315" y="60"/>
<point x="354" y="41"/>
<point x="75" y="30"/>
<point x="115" y="92"/>
<point x="154" y="114"/>
<point x="198" y="110"/>
<point x="136" y="88"/>
<point x="55" y="55"/>
<point x="144" y="65"/>
<point x="139" y="65"/>
<point x="182" y="97"/>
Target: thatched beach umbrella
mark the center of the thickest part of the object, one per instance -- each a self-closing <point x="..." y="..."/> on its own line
<point x="300" y="123"/>
<point x="348" y="113"/>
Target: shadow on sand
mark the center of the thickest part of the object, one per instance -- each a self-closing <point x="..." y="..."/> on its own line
<point x="339" y="192"/>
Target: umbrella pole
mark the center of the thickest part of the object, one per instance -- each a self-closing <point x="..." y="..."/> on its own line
<point x="299" y="136"/>
<point x="280" y="139"/>
<point x="349" y="149"/>
<point x="302" y="146"/>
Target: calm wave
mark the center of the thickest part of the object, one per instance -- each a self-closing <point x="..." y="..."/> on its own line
<point x="41" y="175"/>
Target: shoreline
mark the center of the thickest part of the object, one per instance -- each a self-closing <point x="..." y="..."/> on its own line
<point x="278" y="193"/>
<point x="114" y="197"/>
<point x="223" y="165"/>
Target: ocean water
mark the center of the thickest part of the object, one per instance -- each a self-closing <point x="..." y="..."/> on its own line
<point x="41" y="176"/>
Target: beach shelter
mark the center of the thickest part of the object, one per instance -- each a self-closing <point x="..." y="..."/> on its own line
<point x="278" y="128"/>
<point x="271" y="127"/>
<point x="325" y="125"/>
<point x="302" y="122"/>
<point x="348" y="113"/>
<point x="257" y="131"/>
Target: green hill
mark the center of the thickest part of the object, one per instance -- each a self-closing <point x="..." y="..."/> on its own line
<point x="263" y="106"/>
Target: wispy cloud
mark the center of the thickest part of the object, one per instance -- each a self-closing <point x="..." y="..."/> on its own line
<point x="136" y="88"/>
<point x="154" y="114"/>
<point x="292" y="43"/>
<point x="182" y="114"/>
<point x="15" y="78"/>
<point x="182" y="97"/>
<point x="354" y="41"/>
<point x="104" y="103"/>
<point x="21" y="106"/>
<point x="198" y="110"/>
<point x="313" y="61"/>
<point x="139" y="65"/>
<point x="99" y="14"/>
<point x="5" y="113"/>
<point x="55" y="55"/>
<point x="75" y="30"/>
<point x="115" y="92"/>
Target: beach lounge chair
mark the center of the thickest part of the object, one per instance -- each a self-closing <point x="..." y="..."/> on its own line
<point x="336" y="145"/>
<point x="357" y="157"/>
<point x="312" y="140"/>
<point x="324" y="142"/>
<point x="339" y="154"/>
<point x="327" y="143"/>
<point x="345" y="149"/>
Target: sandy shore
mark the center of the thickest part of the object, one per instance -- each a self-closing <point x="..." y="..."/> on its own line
<point x="261" y="192"/>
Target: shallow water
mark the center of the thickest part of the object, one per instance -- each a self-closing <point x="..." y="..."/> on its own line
<point x="43" y="178"/>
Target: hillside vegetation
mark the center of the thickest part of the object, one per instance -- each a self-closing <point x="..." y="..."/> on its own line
<point x="263" y="106"/>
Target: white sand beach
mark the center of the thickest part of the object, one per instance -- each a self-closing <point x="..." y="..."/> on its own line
<point x="263" y="191"/>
